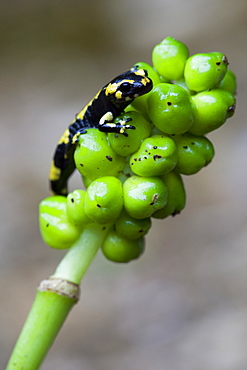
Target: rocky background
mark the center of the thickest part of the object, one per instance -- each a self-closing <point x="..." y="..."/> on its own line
<point x="183" y="304"/>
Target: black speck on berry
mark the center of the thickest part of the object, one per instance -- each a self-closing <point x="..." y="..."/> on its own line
<point x="157" y="156"/>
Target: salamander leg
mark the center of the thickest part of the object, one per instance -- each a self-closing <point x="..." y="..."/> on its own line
<point x="106" y="124"/>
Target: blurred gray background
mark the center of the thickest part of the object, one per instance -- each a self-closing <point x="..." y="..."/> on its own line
<point x="183" y="305"/>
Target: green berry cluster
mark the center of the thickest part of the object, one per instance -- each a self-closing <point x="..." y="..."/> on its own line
<point x="131" y="179"/>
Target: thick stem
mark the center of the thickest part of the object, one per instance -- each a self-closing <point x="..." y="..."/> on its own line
<point x="44" y="321"/>
<point x="54" y="300"/>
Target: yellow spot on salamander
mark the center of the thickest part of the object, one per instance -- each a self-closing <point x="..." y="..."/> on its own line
<point x="55" y="172"/>
<point x="118" y="95"/>
<point x="75" y="138"/>
<point x="145" y="81"/>
<point x="141" y="72"/>
<point x="111" y="88"/>
<point x="81" y="114"/>
<point x="111" y="125"/>
<point x="64" y="139"/>
<point x="108" y="116"/>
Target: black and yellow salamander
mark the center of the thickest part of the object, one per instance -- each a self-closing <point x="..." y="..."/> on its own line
<point x="99" y="113"/>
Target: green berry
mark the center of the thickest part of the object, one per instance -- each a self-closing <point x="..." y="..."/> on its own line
<point x="170" y="108"/>
<point x="194" y="152"/>
<point x="125" y="146"/>
<point x="126" y="173"/>
<point x="164" y="80"/>
<point x="130" y="108"/>
<point x="75" y="208"/>
<point x="156" y="156"/>
<point x="140" y="103"/>
<point x="56" y="229"/>
<point x="169" y="58"/>
<point x="104" y="200"/>
<point x="176" y="196"/>
<point x="130" y="227"/>
<point x="229" y="83"/>
<point x="182" y="84"/>
<point x="86" y="181"/>
<point x="211" y="110"/>
<point x="118" y="248"/>
<point x="144" y="195"/>
<point x="205" y="71"/>
<point x="94" y="156"/>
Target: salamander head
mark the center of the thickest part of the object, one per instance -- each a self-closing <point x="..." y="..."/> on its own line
<point x="128" y="86"/>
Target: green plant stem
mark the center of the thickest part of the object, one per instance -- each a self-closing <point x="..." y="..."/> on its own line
<point x="45" y="319"/>
<point x="54" y="300"/>
<point x="79" y="257"/>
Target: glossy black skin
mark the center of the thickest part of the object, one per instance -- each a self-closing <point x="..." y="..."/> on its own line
<point x="99" y="113"/>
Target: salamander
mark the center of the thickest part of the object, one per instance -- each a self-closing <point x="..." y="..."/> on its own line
<point x="99" y="113"/>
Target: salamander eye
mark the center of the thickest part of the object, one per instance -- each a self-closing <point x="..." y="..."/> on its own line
<point x="125" y="86"/>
